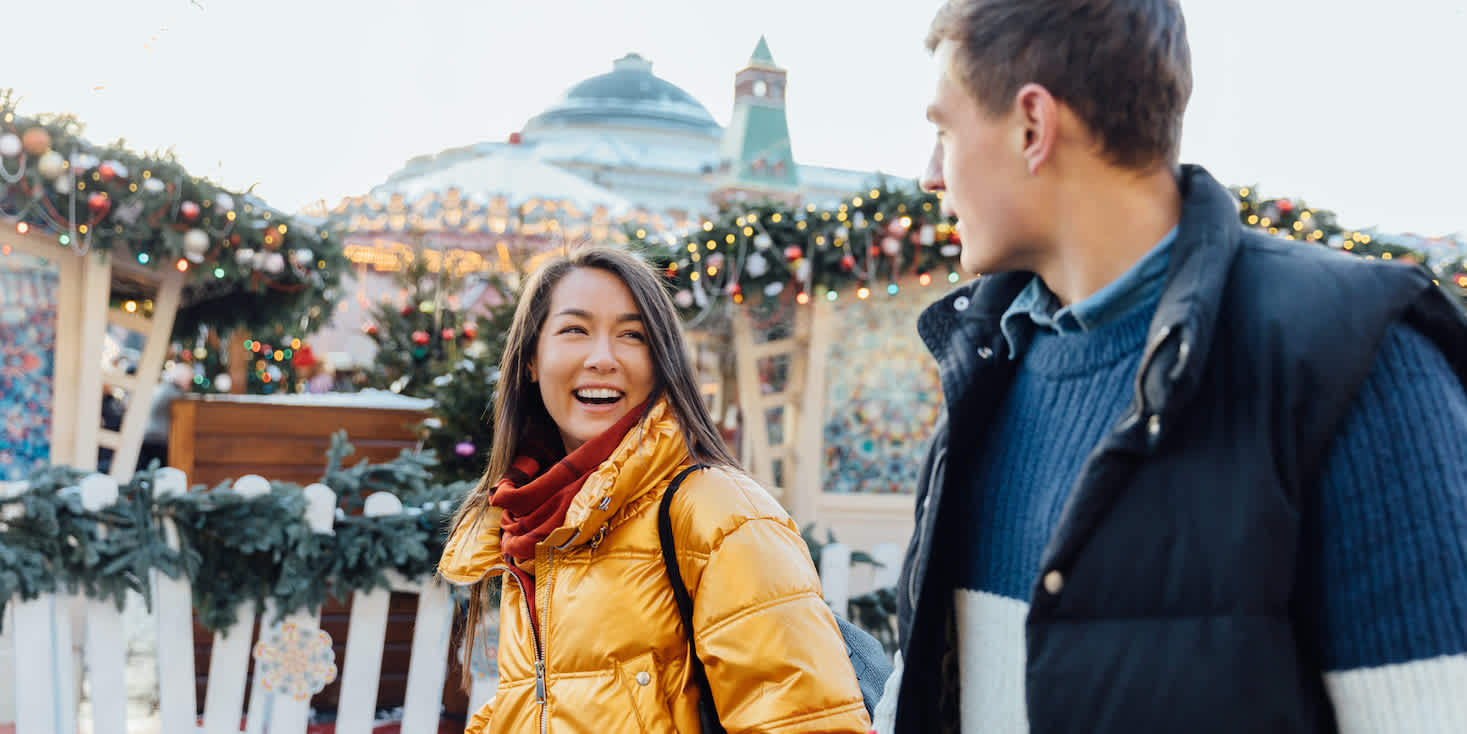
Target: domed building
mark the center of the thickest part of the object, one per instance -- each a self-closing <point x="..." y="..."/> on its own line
<point x="621" y="149"/>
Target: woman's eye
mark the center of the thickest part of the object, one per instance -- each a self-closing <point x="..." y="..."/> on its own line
<point x="572" y="330"/>
<point x="635" y="335"/>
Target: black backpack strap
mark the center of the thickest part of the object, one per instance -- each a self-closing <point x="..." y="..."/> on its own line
<point x="707" y="713"/>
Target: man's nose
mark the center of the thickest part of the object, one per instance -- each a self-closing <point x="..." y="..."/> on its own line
<point x="932" y="175"/>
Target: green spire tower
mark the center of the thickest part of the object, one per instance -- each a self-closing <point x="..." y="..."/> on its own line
<point x="755" y="161"/>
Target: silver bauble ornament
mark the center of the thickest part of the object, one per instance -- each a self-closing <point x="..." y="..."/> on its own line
<point x="51" y="165"/>
<point x="195" y="245"/>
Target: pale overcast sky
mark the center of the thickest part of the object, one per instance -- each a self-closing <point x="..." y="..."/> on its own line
<point x="1359" y="107"/>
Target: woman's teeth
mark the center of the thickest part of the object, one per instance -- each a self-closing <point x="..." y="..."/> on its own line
<point x="598" y="395"/>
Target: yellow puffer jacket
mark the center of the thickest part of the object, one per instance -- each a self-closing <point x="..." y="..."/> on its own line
<point x="613" y="654"/>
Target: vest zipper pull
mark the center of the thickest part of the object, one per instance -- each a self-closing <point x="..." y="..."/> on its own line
<point x="539" y="681"/>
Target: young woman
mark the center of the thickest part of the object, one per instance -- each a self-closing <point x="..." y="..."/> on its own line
<point x="597" y="411"/>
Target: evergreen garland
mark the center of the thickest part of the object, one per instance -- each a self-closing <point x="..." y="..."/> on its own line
<point x="771" y="254"/>
<point x="237" y="552"/>
<point x="249" y="265"/>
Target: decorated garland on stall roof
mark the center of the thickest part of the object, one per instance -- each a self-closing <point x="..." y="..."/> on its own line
<point x="879" y="240"/>
<point x="235" y="546"/>
<point x="250" y="265"/>
<point x="771" y="251"/>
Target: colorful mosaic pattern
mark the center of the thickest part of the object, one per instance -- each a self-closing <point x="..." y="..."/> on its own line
<point x="299" y="663"/>
<point x="27" y="364"/>
<point x="883" y="394"/>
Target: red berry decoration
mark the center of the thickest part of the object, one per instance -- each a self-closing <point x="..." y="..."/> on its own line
<point x="189" y="211"/>
<point x="734" y="289"/>
<point x="99" y="203"/>
<point x="793" y="253"/>
<point x="370" y="329"/>
<point x="1285" y="206"/>
<point x="448" y="335"/>
<point x="406" y="311"/>
<point x="107" y="172"/>
<point x="421" y="338"/>
<point x="848" y="263"/>
<point x="470" y="332"/>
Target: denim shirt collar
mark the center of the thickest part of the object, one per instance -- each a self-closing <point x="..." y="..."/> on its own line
<point x="1037" y="308"/>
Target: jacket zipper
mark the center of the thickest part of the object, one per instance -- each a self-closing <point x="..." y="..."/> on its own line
<point x="938" y="461"/>
<point x="535" y="638"/>
<point x="544" y="619"/>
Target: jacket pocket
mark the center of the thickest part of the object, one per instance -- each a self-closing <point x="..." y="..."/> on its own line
<point x="638" y="677"/>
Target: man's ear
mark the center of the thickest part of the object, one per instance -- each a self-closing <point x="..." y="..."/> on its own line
<point x="1038" y="115"/>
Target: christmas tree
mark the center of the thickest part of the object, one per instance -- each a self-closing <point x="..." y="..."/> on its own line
<point x="442" y="339"/>
<point x="426" y="330"/>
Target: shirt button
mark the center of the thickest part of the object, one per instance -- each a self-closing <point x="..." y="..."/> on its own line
<point x="985" y="353"/>
<point x="1054" y="581"/>
<point x="961" y="303"/>
<point x="643" y="679"/>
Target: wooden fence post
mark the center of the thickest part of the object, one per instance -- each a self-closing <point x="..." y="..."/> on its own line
<point x="173" y="610"/>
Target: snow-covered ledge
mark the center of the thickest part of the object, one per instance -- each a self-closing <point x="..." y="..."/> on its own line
<point x="364" y="399"/>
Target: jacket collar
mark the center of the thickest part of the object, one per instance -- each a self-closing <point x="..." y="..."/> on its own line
<point x="962" y="329"/>
<point x="651" y="452"/>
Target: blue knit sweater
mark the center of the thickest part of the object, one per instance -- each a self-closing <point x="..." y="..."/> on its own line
<point x="1386" y="571"/>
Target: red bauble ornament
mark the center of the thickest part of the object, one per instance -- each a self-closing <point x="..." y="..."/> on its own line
<point x="470" y="332"/>
<point x="793" y="253"/>
<point x="234" y="239"/>
<point x="189" y="211"/>
<point x="876" y="251"/>
<point x="1285" y="206"/>
<point x="370" y="329"/>
<point x="106" y="171"/>
<point x="406" y="311"/>
<point x="848" y="263"/>
<point x="421" y="338"/>
<point x="448" y="335"/>
<point x="99" y="203"/>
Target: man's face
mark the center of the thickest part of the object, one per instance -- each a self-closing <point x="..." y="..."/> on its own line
<point x="978" y="163"/>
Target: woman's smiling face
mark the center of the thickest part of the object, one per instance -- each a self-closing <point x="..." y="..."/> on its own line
<point x="592" y="361"/>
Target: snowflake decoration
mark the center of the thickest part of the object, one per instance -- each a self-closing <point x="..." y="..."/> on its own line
<point x="299" y="663"/>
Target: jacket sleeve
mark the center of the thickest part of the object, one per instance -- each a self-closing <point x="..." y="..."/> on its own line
<point x="1385" y="565"/>
<point x="482" y="722"/>
<point x="775" y="659"/>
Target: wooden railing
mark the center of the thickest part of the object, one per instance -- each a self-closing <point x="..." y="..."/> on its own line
<point x="46" y="694"/>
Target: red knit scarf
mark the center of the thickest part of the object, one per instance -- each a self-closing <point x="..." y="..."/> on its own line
<point x="535" y="498"/>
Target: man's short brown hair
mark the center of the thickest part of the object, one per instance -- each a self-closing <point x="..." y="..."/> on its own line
<point x="1123" y="66"/>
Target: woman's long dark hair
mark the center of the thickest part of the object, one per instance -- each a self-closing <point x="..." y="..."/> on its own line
<point x="518" y="407"/>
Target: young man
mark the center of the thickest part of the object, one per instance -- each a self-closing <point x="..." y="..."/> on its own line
<point x="1188" y="477"/>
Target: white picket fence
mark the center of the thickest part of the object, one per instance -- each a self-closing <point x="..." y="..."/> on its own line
<point x="46" y="696"/>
